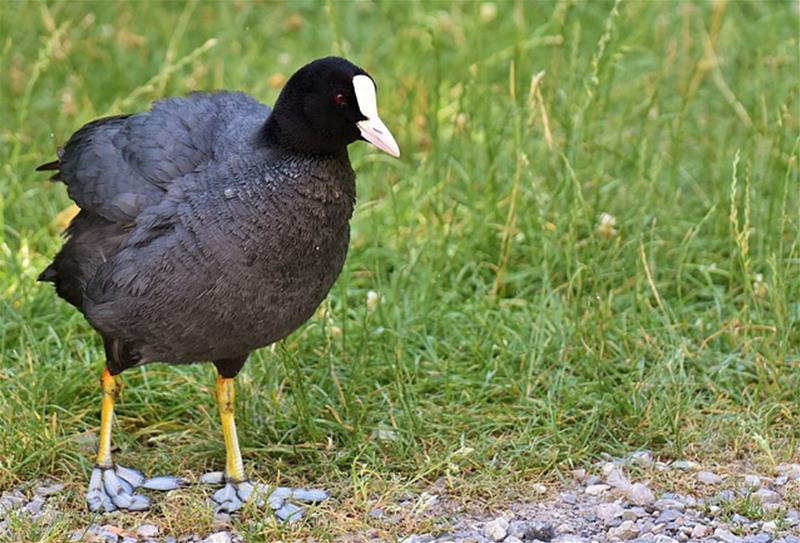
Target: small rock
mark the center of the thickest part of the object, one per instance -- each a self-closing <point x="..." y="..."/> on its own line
<point x="669" y="515"/>
<point x="569" y="538"/>
<point x="414" y="538"/>
<point x="700" y="531"/>
<point x="569" y="498"/>
<point x="758" y="538"/>
<point x="221" y="520"/>
<point x="147" y="530"/>
<point x="617" y="479"/>
<point x="219" y="537"/>
<point x="629" y="514"/>
<point x="530" y="530"/>
<point x="669" y="503"/>
<point x="640" y="494"/>
<point x="609" y="511"/>
<point x="626" y="530"/>
<point x="752" y="481"/>
<point x="579" y="474"/>
<point x="685" y="465"/>
<point x="539" y="489"/>
<point x="766" y="496"/>
<point x="596" y="490"/>
<point x="593" y="480"/>
<point x="708" y="478"/>
<point x="642" y="459"/>
<point x="790" y="471"/>
<point x="496" y="529"/>
<point x="49" y="489"/>
<point x="770" y="526"/>
<point x="34" y="506"/>
<point x="512" y="539"/>
<point x="726" y="537"/>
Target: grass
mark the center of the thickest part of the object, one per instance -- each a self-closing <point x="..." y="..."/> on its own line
<point x="519" y="330"/>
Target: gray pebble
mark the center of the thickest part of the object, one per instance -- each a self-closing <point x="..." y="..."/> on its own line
<point x="668" y="503"/>
<point x="708" y="478"/>
<point x="767" y="496"/>
<point x="726" y="536"/>
<point x="496" y="529"/>
<point x="49" y="489"/>
<point x="625" y="531"/>
<point x="640" y="494"/>
<point x="147" y="530"/>
<point x="685" y="465"/>
<point x="219" y="537"/>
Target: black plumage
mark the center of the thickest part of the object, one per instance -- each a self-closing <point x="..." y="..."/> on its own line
<point x="209" y="225"/>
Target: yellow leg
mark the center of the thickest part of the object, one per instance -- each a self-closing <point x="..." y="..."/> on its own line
<point x="234" y="469"/>
<point x="112" y="386"/>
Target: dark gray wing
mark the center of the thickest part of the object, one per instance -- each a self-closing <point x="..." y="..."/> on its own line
<point x="118" y="166"/>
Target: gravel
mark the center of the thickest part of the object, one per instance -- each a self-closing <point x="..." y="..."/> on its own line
<point x="609" y="502"/>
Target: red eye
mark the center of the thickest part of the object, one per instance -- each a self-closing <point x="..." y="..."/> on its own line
<point x="341" y="99"/>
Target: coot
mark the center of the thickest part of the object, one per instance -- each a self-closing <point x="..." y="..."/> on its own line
<point x="209" y="226"/>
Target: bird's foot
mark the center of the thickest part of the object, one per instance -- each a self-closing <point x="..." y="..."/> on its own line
<point x="282" y="500"/>
<point x="112" y="488"/>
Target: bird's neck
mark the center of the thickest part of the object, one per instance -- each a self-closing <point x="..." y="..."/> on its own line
<point x="285" y="133"/>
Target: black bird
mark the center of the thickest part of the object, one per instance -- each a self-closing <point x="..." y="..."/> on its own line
<point x="209" y="227"/>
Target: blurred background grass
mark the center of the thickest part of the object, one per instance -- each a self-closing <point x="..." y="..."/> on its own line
<point x="599" y="259"/>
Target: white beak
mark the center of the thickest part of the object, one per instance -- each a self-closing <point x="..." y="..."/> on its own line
<point x="372" y="128"/>
<point x="375" y="132"/>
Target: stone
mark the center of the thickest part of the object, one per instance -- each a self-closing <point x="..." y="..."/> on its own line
<point x="752" y="481"/>
<point x="609" y="511"/>
<point x="569" y="498"/>
<point x="579" y="474"/>
<point x="423" y="538"/>
<point x="219" y="537"/>
<point x="669" y="515"/>
<point x="790" y="471"/>
<point x="726" y="536"/>
<point x="685" y="465"/>
<point x="766" y="496"/>
<point x="640" y="494"/>
<point x="530" y="530"/>
<point x="641" y="459"/>
<point x="708" y="478"/>
<point x="625" y="531"/>
<point x="512" y="539"/>
<point x="147" y="530"/>
<point x="49" y="489"/>
<point x="669" y="503"/>
<point x="496" y="529"/>
<point x="569" y="538"/>
<point x="35" y="505"/>
<point x="770" y="526"/>
<point x="617" y="479"/>
<point x="596" y="490"/>
<point x="700" y="531"/>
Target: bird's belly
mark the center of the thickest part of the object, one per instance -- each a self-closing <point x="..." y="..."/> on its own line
<point x="245" y="310"/>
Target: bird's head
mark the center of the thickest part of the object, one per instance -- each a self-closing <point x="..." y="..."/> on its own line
<point x="327" y="105"/>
